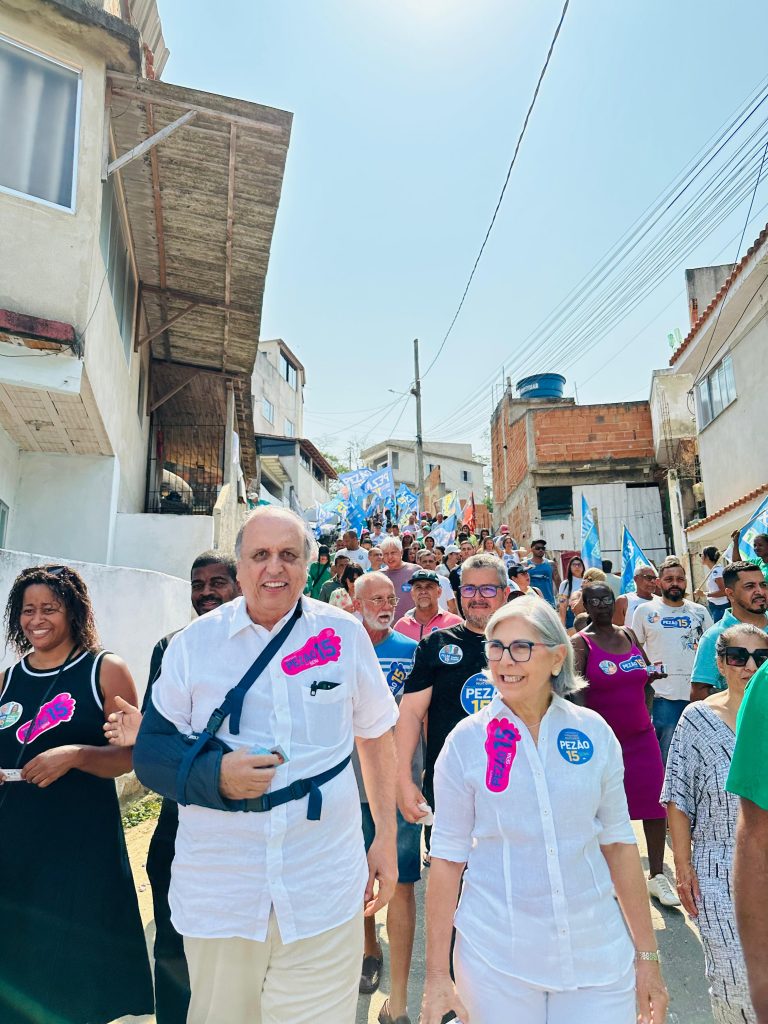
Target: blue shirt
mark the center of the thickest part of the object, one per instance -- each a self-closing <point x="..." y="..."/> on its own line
<point x="541" y="576"/>
<point x="705" y="666"/>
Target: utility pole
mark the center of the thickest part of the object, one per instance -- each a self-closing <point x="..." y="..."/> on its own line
<point x="416" y="392"/>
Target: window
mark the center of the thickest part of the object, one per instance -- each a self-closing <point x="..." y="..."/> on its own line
<point x="142" y="397"/>
<point x="555" y="502"/>
<point x="288" y="428"/>
<point x="267" y="410"/>
<point x="394" y="460"/>
<point x="288" y="371"/>
<point x="114" y="251"/>
<point x="715" y="392"/>
<point x="3" y="522"/>
<point x="39" y="112"/>
<point x="306" y="462"/>
<point x="466" y="476"/>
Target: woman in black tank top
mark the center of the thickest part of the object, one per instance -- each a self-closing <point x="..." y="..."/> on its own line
<point x="72" y="946"/>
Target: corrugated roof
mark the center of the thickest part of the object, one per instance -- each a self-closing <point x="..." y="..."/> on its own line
<point x="737" y="271"/>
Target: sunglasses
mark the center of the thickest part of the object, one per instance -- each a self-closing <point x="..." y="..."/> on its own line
<point x="599" y="602"/>
<point x="737" y="657"/>
<point x="486" y="590"/>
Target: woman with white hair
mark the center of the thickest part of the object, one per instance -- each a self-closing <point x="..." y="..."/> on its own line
<point x="529" y="798"/>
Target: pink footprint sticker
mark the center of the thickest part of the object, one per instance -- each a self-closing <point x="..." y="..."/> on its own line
<point x="318" y="650"/>
<point x="58" y="709"/>
<point x="501" y="747"/>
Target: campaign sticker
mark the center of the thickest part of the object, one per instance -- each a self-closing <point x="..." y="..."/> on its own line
<point x="318" y="650"/>
<point x="632" y="663"/>
<point x="476" y="693"/>
<point x="58" y="709"/>
<point x="451" y="654"/>
<point x="406" y="588"/>
<point x="501" y="747"/>
<point x="575" y="747"/>
<point x="10" y="713"/>
<point x="396" y="676"/>
<point x="609" y="667"/>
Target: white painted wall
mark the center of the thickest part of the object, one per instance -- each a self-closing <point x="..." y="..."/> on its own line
<point x="451" y="468"/>
<point x="733" y="448"/>
<point x="267" y="381"/>
<point x="133" y="608"/>
<point x="166" y="543"/>
<point x="671" y="414"/>
<point x="9" y="475"/>
<point x="309" y="490"/>
<point x="66" y="504"/>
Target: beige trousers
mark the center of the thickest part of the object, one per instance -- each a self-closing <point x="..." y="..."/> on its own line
<point x="311" y="981"/>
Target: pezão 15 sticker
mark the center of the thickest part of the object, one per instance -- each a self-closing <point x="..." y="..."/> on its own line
<point x="575" y="747"/>
<point x="476" y="693"/>
<point x="10" y="713"/>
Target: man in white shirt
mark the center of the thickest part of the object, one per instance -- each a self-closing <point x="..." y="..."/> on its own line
<point x="269" y="903"/>
<point x="669" y="630"/>
<point x="646" y="588"/>
<point x="351" y="548"/>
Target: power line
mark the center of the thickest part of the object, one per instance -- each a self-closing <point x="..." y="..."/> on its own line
<point x="503" y="188"/>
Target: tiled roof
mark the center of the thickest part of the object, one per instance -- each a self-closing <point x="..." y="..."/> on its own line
<point x="736" y="272"/>
<point x="743" y="500"/>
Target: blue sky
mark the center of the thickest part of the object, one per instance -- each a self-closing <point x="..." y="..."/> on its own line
<point x="406" y="113"/>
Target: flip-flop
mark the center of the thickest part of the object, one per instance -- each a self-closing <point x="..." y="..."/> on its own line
<point x="370" y="975"/>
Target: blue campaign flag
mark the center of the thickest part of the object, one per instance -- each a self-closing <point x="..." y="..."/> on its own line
<point x="380" y="484"/>
<point x="354" y="481"/>
<point x="407" y="501"/>
<point x="590" y="542"/>
<point x="445" y="533"/>
<point x="755" y="526"/>
<point x="355" y="516"/>
<point x="632" y="557"/>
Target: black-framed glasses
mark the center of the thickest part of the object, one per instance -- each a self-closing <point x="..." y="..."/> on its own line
<point x="484" y="590"/>
<point x="599" y="602"/>
<point x="737" y="657"/>
<point x="519" y="650"/>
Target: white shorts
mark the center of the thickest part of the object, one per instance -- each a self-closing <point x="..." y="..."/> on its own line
<point x="491" y="996"/>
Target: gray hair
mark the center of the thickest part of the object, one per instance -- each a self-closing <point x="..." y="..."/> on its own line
<point x="485" y="560"/>
<point x="727" y="637"/>
<point x="391" y="542"/>
<point x="362" y="582"/>
<point x="310" y="544"/>
<point x="545" y="621"/>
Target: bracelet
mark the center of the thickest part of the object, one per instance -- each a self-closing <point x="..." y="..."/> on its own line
<point x="645" y="955"/>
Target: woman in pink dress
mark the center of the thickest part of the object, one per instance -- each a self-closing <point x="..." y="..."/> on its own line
<point x="616" y="668"/>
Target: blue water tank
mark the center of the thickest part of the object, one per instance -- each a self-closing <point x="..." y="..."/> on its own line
<point x="541" y="385"/>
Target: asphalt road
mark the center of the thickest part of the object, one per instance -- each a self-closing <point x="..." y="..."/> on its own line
<point x="677" y="938"/>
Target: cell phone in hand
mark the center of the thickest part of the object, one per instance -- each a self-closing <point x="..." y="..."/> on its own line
<point x="277" y="751"/>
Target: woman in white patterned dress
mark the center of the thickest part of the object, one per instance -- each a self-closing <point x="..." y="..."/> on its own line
<point x="702" y="820"/>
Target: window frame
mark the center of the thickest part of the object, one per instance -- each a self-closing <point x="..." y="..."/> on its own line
<point x="78" y="72"/>
<point x="715" y="392"/>
<point x="5" y="515"/>
<point x="287" y="369"/>
<point x="265" y="402"/>
<point x="126" y="320"/>
<point x="289" y="423"/>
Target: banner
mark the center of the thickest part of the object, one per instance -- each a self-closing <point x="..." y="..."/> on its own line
<point x="755" y="526"/>
<point x="355" y="516"/>
<point x="352" y="483"/>
<point x="632" y="557"/>
<point x="380" y="484"/>
<point x="590" y="542"/>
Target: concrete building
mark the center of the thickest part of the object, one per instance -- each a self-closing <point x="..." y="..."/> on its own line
<point x="277" y="386"/>
<point x="725" y="358"/>
<point x="546" y="452"/>
<point x="293" y="472"/>
<point x="460" y="470"/>
<point x="136" y="220"/>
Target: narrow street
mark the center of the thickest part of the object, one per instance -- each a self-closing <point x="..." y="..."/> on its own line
<point x="678" y="941"/>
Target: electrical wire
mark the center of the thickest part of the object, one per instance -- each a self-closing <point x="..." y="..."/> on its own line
<point x="503" y="188"/>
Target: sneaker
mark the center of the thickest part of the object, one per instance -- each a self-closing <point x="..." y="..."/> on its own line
<point x="660" y="888"/>
<point x="370" y="975"/>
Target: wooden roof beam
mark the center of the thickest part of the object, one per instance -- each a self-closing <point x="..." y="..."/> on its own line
<point x="165" y="325"/>
<point x="172" y="391"/>
<point x="229" y="237"/>
<point x="151" y="142"/>
<point x="201" y="300"/>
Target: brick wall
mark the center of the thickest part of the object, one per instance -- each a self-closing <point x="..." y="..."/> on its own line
<point x="588" y="433"/>
<point x="515" y="457"/>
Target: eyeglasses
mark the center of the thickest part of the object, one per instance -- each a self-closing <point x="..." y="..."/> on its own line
<point x="648" y="577"/>
<point x="378" y="602"/>
<point x="519" y="650"/>
<point x="485" y="590"/>
<point x="599" y="602"/>
<point x="737" y="657"/>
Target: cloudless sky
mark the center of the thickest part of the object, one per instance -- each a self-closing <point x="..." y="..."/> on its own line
<point x="406" y="113"/>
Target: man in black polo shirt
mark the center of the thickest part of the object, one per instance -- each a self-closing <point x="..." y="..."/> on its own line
<point x="447" y="681"/>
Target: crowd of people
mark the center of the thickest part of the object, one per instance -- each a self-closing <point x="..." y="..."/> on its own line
<point x="338" y="719"/>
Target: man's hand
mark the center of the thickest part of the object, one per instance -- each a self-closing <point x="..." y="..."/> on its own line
<point x="50" y="765"/>
<point x="440" y="997"/>
<point x="409" y="796"/>
<point x="245" y="776"/>
<point x="122" y="726"/>
<point x="382" y="869"/>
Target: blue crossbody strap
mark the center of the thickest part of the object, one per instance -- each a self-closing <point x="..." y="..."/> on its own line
<point x="232" y="704"/>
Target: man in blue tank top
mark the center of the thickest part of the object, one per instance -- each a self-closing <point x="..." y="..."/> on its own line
<point x="543" y="572"/>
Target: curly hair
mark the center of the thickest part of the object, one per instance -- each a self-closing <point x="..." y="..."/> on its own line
<point x="69" y="587"/>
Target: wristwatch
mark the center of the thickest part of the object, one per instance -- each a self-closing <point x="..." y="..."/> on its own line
<point x="645" y="955"/>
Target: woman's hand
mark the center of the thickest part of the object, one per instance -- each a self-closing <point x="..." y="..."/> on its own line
<point x="652" y="996"/>
<point x="122" y="726"/>
<point x="688" y="887"/>
<point x="51" y="765"/>
<point x="440" y="998"/>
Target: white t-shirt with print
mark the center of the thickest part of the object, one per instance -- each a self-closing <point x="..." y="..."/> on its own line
<point x="671" y="634"/>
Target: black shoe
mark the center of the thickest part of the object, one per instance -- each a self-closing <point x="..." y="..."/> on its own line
<point x="385" y="1017"/>
<point x="370" y="975"/>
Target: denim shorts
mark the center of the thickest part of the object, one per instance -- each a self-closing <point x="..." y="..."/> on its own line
<point x="408" y="845"/>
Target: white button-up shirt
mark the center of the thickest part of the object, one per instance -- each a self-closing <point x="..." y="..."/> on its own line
<point x="537" y="901"/>
<point x="231" y="867"/>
